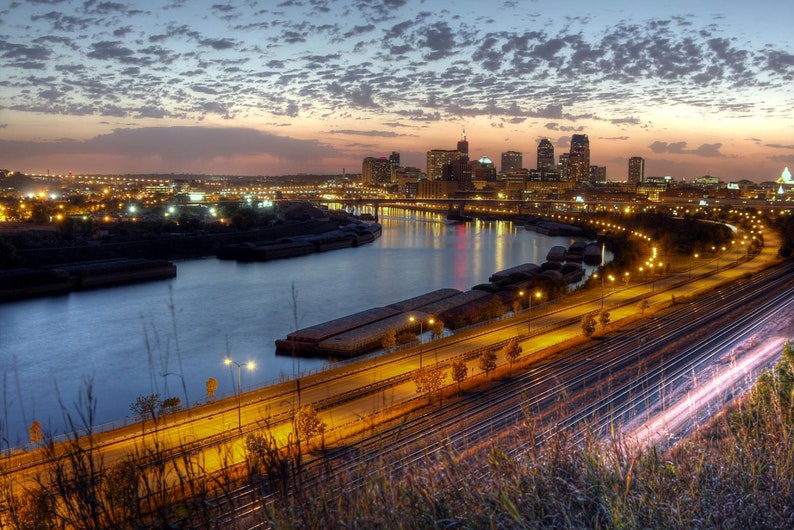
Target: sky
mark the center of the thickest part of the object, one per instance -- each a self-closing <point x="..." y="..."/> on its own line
<point x="314" y="86"/>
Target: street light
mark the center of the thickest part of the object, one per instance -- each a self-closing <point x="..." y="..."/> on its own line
<point x="430" y="321"/>
<point x="538" y="295"/>
<point x="250" y="365"/>
<point x="692" y="264"/>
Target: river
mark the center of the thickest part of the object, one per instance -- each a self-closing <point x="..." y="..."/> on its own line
<point x="153" y="337"/>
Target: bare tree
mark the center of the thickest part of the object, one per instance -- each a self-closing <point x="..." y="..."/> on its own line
<point x="146" y="406"/>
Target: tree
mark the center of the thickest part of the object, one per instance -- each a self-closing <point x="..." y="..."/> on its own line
<point x="146" y="406"/>
<point x="406" y="337"/>
<point x="513" y="351"/>
<point x="8" y="256"/>
<point x="437" y="328"/>
<point x="588" y="325"/>
<point x="244" y="219"/>
<point x="428" y="380"/>
<point x="488" y="362"/>
<point x="36" y="510"/>
<point x="389" y="340"/>
<point x="212" y="386"/>
<point x="169" y="405"/>
<point x="493" y="309"/>
<point x="603" y="319"/>
<point x="308" y="423"/>
<point x="36" y="433"/>
<point x="643" y="305"/>
<point x="121" y="484"/>
<point x="459" y="371"/>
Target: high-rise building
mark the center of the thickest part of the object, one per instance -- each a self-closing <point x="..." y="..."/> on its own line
<point x="598" y="174"/>
<point x="376" y="170"/>
<point x="437" y="159"/>
<point x="636" y="170"/>
<point x="565" y="167"/>
<point x="512" y="161"/>
<point x="580" y="158"/>
<point x="463" y="146"/>
<point x="483" y="169"/>
<point x="394" y="163"/>
<point x="461" y="172"/>
<point x="546" y="156"/>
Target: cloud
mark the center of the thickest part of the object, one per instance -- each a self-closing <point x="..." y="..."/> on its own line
<point x="783" y="159"/>
<point x="181" y="144"/>
<point x="107" y="50"/>
<point x="384" y="134"/>
<point x="437" y="39"/>
<point x="679" y="148"/>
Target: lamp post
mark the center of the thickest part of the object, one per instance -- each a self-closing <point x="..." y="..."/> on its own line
<point x="430" y="321"/>
<point x="250" y="365"/>
<point x="692" y="264"/>
<point x="538" y="295"/>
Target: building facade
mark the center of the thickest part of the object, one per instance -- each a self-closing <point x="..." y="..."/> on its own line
<point x="512" y="161"/>
<point x="636" y="170"/>
<point x="375" y="171"/>
<point x="546" y="156"/>
<point x="436" y="160"/>
<point x="580" y="158"/>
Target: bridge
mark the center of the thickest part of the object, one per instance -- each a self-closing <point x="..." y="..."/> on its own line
<point x="509" y="207"/>
<point x="473" y="206"/>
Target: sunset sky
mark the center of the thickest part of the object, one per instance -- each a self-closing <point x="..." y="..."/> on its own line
<point x="314" y="86"/>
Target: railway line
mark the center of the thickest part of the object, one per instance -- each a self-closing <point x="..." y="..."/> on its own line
<point x="612" y="382"/>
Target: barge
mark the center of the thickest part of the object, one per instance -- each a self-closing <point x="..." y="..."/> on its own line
<point x="17" y="284"/>
<point x="363" y="332"/>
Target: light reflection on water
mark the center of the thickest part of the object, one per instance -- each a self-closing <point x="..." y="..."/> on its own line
<point x="125" y="338"/>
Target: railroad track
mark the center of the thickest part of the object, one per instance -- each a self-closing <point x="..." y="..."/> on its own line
<point x="664" y="344"/>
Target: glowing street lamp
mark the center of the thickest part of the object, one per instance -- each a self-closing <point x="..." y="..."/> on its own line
<point x="250" y="365"/>
<point x="430" y="321"/>
<point x="692" y="264"/>
<point x="537" y="295"/>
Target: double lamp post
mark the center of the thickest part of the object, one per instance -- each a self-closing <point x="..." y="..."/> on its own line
<point x="250" y="365"/>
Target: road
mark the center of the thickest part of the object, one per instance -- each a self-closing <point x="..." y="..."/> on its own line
<point x="348" y="397"/>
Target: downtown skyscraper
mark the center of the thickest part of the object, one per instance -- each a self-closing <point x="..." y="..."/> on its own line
<point x="579" y="158"/>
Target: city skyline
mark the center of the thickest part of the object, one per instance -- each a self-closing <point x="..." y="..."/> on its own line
<point x="316" y="87"/>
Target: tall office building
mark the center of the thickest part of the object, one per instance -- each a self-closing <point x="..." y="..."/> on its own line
<point x="512" y="161"/>
<point x="580" y="158"/>
<point x="565" y="167"/>
<point x="394" y="164"/>
<point x="437" y="159"/>
<point x="463" y="146"/>
<point x="376" y="170"/>
<point x="636" y="170"/>
<point x="546" y="156"/>
<point x="598" y="174"/>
